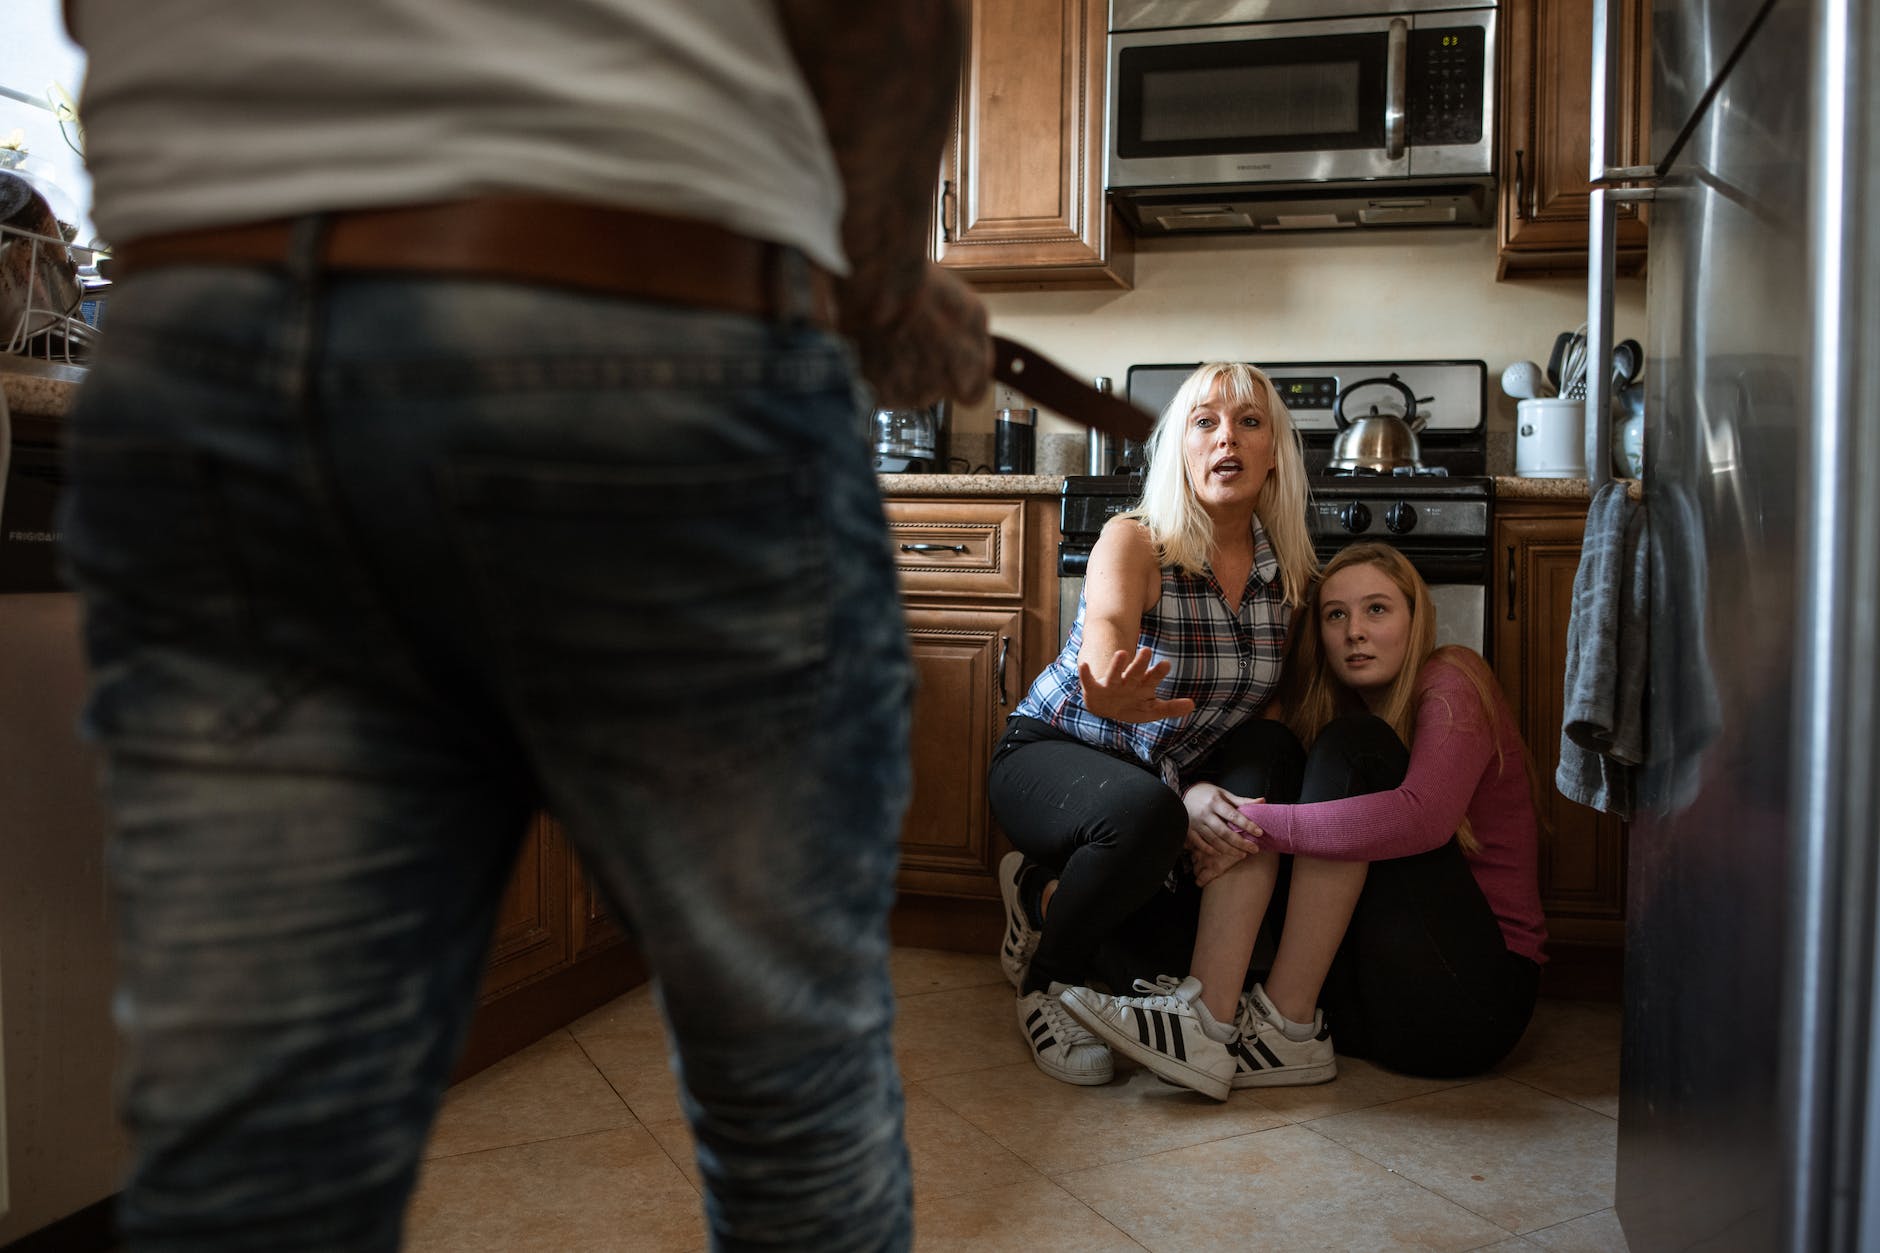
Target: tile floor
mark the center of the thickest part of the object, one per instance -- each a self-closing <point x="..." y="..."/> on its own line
<point x="577" y="1143"/>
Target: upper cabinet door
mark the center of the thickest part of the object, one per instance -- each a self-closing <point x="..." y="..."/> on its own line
<point x="1546" y="136"/>
<point x="1021" y="195"/>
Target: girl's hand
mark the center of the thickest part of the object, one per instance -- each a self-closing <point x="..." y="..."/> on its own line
<point x="1125" y="690"/>
<point x="1217" y="827"/>
<point x="1211" y="866"/>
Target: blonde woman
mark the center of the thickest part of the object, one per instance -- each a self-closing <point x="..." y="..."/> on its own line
<point x="1412" y="915"/>
<point x="1143" y="735"/>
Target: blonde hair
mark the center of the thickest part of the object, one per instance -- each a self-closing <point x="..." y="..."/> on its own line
<point x="1315" y="696"/>
<point x="1181" y="529"/>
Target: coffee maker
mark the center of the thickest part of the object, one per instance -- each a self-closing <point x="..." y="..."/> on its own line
<point x="910" y="441"/>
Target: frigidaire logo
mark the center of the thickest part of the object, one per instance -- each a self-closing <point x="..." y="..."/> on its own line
<point x="1261" y="165"/>
<point x="34" y="537"/>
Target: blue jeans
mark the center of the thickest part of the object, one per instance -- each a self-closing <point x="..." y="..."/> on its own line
<point x="373" y="568"/>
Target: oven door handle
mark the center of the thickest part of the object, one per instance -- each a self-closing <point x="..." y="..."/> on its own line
<point x="1396" y="76"/>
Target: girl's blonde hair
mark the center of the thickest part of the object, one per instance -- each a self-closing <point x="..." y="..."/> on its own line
<point x="1314" y="695"/>
<point x="1182" y="531"/>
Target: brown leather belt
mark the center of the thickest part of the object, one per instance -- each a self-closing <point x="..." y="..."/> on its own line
<point x="561" y="243"/>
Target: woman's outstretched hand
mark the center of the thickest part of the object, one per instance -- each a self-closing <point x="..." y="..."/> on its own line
<point x="1125" y="690"/>
<point x="1219" y="833"/>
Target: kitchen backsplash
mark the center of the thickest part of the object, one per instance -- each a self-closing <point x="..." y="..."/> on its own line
<point x="1303" y="298"/>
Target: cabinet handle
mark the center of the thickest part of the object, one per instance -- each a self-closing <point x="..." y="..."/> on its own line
<point x="1005" y="647"/>
<point x="946" y="211"/>
<point x="1520" y="185"/>
<point x="933" y="548"/>
<point x="1511" y="582"/>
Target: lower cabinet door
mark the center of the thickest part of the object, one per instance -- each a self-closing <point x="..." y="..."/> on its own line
<point x="1582" y="856"/>
<point x="532" y="934"/>
<point x="968" y="675"/>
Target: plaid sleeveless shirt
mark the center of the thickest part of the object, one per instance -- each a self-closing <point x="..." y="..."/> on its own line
<point x="1227" y="663"/>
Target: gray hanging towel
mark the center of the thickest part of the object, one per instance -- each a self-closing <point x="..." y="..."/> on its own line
<point x="1602" y="734"/>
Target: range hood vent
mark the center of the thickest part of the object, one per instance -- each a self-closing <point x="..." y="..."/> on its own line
<point x="1305" y="207"/>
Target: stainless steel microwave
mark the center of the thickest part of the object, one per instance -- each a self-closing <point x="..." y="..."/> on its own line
<point x="1301" y="114"/>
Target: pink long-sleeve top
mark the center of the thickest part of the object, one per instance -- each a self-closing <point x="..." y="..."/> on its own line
<point x="1460" y="764"/>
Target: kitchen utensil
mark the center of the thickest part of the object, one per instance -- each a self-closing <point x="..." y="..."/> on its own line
<point x="1524" y="381"/>
<point x="1628" y="362"/>
<point x="1573" y="365"/>
<point x="1550" y="438"/>
<point x="1377" y="441"/>
<point x="1628" y="438"/>
<point x="1553" y="358"/>
<point x="1047" y="382"/>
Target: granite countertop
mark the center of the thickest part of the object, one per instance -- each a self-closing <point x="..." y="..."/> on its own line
<point x="38" y="388"/>
<point x="1507" y="488"/>
<point x="971" y="484"/>
<point x="1510" y="487"/>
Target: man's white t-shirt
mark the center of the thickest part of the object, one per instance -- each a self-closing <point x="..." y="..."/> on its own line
<point x="692" y="108"/>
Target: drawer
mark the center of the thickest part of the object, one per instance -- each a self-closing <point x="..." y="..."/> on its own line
<point x="969" y="548"/>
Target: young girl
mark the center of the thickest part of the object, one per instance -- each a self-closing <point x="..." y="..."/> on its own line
<point x="1146" y="724"/>
<point x="1413" y="912"/>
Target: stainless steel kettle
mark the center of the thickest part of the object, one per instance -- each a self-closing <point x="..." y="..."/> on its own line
<point x="1377" y="442"/>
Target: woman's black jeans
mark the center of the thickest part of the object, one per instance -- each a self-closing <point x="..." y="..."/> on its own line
<point x="1110" y="830"/>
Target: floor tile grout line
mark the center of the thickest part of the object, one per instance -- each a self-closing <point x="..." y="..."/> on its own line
<point x="1441" y="1196"/>
<point x="622" y="1098"/>
<point x="573" y="1135"/>
<point x="1558" y="1096"/>
<point x="1363" y="1109"/>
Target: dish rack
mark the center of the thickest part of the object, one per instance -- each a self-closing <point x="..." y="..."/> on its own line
<point x="50" y="295"/>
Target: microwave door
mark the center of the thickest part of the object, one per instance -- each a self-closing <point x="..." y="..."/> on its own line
<point x="1371" y="98"/>
<point x="1257" y="108"/>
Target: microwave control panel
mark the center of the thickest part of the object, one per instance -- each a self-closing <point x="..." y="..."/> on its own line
<point x="1447" y="69"/>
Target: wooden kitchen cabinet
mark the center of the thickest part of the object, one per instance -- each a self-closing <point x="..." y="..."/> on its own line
<point x="1582" y="858"/>
<point x="1021" y="199"/>
<point x="1546" y="134"/>
<point x="555" y="952"/>
<point x="979" y="582"/>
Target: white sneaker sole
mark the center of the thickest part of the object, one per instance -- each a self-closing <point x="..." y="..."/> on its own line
<point x="1288" y="1076"/>
<point x="1279" y="1076"/>
<point x="1180" y="1073"/>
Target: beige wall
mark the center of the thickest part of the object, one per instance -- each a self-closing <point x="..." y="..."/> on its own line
<point x="1424" y="293"/>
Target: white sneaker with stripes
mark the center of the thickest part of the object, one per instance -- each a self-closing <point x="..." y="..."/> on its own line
<point x="1161" y="1030"/>
<point x="1021" y="939"/>
<point x="1266" y="1057"/>
<point x="1062" y="1049"/>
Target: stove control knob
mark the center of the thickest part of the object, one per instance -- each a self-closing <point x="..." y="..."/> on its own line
<point x="1401" y="518"/>
<point x="1355" y="517"/>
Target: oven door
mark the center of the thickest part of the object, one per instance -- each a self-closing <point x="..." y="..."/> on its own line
<point x="1457" y="575"/>
<point x="1314" y="101"/>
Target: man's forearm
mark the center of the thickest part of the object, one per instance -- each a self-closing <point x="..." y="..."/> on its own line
<point x="884" y="75"/>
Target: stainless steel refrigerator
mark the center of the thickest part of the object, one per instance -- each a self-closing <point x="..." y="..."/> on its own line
<point x="1748" y="1112"/>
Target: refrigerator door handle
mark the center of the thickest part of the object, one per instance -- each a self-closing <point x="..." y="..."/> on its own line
<point x="1602" y="239"/>
<point x="1601" y="260"/>
<point x="1607" y="42"/>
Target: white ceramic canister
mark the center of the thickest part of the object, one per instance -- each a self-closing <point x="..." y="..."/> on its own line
<point x="1550" y="438"/>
